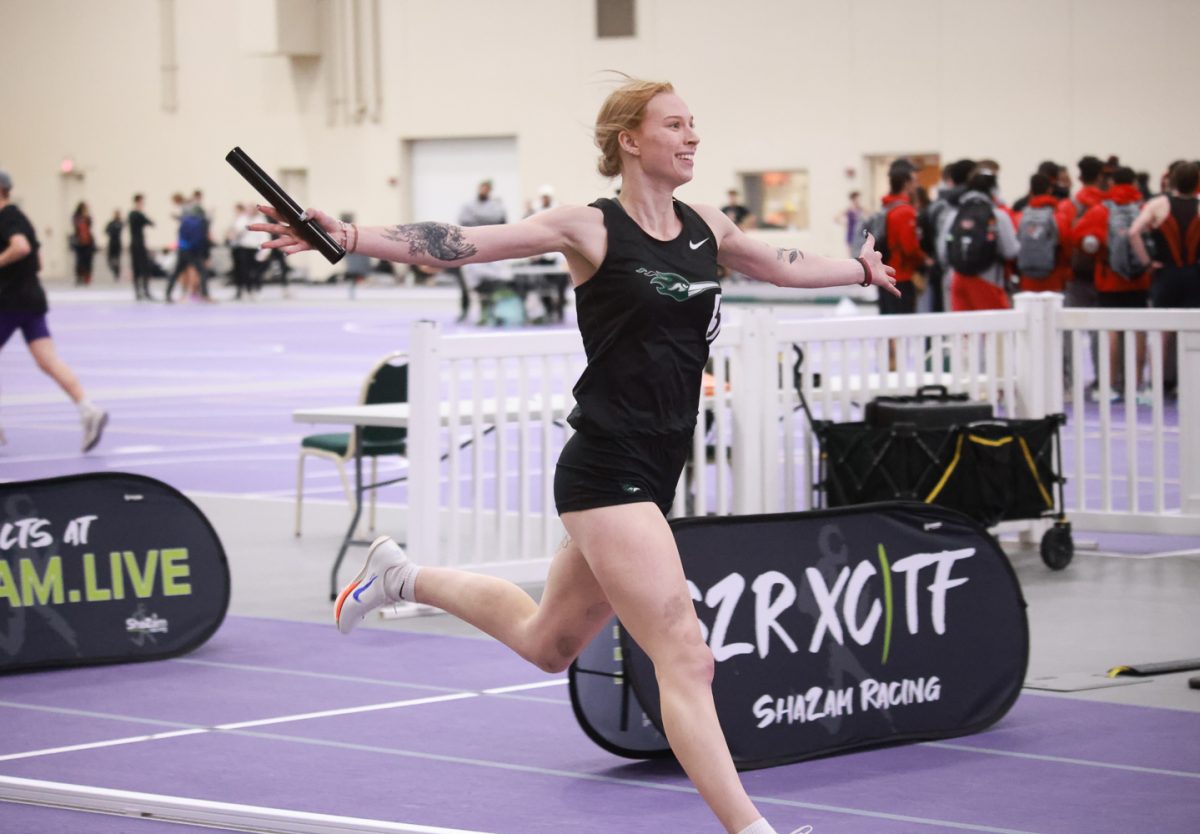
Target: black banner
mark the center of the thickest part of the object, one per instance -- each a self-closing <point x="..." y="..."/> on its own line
<point x="605" y="704"/>
<point x="105" y="568"/>
<point x="832" y="631"/>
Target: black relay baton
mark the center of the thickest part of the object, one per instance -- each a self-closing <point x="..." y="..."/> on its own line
<point x="289" y="211"/>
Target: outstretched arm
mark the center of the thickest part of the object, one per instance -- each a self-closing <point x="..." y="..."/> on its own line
<point x="1150" y="217"/>
<point x="18" y="247"/>
<point x="437" y="244"/>
<point x="792" y="267"/>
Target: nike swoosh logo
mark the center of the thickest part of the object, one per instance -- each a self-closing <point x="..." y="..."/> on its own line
<point x="697" y="245"/>
<point x="358" y="591"/>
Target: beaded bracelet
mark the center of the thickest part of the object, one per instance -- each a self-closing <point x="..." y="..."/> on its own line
<point x="866" y="281"/>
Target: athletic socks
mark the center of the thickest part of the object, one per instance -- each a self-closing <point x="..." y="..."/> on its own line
<point x="400" y="581"/>
<point x="760" y="826"/>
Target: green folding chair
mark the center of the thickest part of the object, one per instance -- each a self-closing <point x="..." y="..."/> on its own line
<point x="386" y="383"/>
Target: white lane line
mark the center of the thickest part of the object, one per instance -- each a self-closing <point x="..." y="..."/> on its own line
<point x="205" y="452"/>
<point x="1040" y="757"/>
<point x="237" y="725"/>
<point x="225" y="815"/>
<point x="585" y="776"/>
<point x="597" y="777"/>
<point x="456" y="695"/>
<point x="501" y="690"/>
<point x="278" y="457"/>
<point x="306" y="716"/>
<point x="189" y="392"/>
<point x="627" y="782"/>
<point x="521" y="687"/>
<point x="113" y="742"/>
<point x="1166" y="554"/>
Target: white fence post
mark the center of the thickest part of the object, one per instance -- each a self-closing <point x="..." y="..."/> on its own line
<point x="770" y="443"/>
<point x="1189" y="412"/>
<point x="424" y="442"/>
<point x="748" y="394"/>
<point x="1039" y="376"/>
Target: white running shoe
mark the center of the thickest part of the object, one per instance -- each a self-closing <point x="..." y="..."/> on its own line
<point x="93" y="428"/>
<point x="366" y="593"/>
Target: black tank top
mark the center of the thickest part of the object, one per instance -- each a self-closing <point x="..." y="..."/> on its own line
<point x="647" y="317"/>
<point x="1175" y="240"/>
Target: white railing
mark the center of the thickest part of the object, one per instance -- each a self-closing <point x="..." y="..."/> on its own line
<point x="849" y="361"/>
<point x="1143" y="474"/>
<point x="487" y="421"/>
<point x="488" y="418"/>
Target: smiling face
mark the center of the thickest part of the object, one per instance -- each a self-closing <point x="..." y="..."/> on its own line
<point x="664" y="144"/>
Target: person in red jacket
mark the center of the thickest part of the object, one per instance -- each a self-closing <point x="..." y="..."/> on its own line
<point x="1041" y="196"/>
<point x="904" y="252"/>
<point x="1113" y="289"/>
<point x="1080" y="290"/>
<point x="904" y="245"/>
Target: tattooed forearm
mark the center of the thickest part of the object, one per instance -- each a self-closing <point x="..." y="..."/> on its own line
<point x="440" y="240"/>
<point x="790" y="254"/>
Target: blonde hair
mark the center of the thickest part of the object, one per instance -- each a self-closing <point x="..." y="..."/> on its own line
<point x="624" y="109"/>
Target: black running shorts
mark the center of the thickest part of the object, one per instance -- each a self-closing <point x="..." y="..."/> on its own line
<point x="606" y="471"/>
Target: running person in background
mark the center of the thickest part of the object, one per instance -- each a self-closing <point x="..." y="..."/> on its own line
<point x="644" y="267"/>
<point x="23" y="307"/>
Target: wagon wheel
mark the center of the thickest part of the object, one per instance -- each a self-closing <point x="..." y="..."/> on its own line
<point x="1058" y="547"/>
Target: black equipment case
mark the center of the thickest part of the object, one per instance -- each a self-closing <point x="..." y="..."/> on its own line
<point x="932" y="407"/>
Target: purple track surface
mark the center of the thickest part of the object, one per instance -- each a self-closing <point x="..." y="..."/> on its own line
<point x="199" y="396"/>
<point x="517" y="762"/>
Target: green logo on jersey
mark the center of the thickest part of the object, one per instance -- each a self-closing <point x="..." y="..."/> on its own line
<point x="676" y="286"/>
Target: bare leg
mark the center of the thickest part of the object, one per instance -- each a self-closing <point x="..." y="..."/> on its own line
<point x="1140" y="348"/>
<point x="632" y="554"/>
<point x="47" y="359"/>
<point x="550" y="634"/>
<point x="1116" y="369"/>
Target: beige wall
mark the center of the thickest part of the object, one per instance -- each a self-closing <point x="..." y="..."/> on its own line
<point x="812" y="84"/>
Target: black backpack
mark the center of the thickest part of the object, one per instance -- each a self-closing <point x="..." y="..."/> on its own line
<point x="971" y="246"/>
<point x="876" y="224"/>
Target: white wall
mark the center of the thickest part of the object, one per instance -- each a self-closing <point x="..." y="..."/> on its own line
<point x="814" y="84"/>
